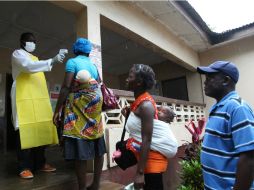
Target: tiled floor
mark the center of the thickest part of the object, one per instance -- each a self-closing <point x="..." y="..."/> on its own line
<point x="63" y="179"/>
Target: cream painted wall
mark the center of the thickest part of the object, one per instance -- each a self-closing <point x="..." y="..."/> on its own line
<point x="195" y="87"/>
<point x="138" y="22"/>
<point x="242" y="54"/>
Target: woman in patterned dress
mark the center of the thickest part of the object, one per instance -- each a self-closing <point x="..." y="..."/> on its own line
<point x="82" y="123"/>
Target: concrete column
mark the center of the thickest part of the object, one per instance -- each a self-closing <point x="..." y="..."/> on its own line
<point x="82" y="24"/>
<point x="88" y="26"/>
<point x="93" y="25"/>
<point x="94" y="34"/>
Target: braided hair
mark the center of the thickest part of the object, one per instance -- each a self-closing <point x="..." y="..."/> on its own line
<point x="146" y="74"/>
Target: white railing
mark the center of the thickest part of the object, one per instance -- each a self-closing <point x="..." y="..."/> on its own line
<point x="113" y="120"/>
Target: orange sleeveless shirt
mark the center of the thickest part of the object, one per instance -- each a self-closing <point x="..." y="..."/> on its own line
<point x="156" y="162"/>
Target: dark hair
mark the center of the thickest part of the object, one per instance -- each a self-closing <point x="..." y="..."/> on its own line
<point x="24" y="37"/>
<point x="146" y="74"/>
<point x="81" y="53"/>
<point x="231" y="83"/>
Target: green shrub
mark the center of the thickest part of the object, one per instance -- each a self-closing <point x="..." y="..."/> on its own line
<point x="191" y="172"/>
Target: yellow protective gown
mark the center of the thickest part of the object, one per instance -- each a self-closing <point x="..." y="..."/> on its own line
<point x="34" y="110"/>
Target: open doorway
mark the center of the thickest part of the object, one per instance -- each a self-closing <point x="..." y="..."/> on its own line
<point x="175" y="88"/>
<point x="119" y="53"/>
<point x="54" y="28"/>
<point x="11" y="135"/>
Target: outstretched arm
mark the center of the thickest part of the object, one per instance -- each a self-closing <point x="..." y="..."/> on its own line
<point x="27" y="65"/>
<point x="22" y="60"/>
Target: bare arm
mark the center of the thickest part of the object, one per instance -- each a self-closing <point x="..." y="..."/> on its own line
<point x="65" y="90"/>
<point x="245" y="171"/>
<point x="146" y="113"/>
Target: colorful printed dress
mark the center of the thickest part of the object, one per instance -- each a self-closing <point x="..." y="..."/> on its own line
<point x="83" y="130"/>
<point x="82" y="114"/>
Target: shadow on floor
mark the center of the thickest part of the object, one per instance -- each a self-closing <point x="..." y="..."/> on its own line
<point x="63" y="179"/>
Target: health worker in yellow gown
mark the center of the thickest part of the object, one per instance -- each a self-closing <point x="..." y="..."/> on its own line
<point x="31" y="109"/>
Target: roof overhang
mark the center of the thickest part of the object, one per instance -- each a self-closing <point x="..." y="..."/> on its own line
<point x="182" y="19"/>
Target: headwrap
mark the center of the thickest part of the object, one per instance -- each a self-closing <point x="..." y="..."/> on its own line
<point x="82" y="45"/>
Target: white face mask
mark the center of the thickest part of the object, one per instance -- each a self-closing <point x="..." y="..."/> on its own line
<point x="30" y="46"/>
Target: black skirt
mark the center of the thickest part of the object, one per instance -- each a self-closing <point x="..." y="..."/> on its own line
<point x="82" y="149"/>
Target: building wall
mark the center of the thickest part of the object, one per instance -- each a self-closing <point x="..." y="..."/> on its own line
<point x="138" y="22"/>
<point x="194" y="85"/>
<point x="239" y="52"/>
<point x="56" y="76"/>
<point x="168" y="70"/>
<point x="111" y="81"/>
<point x="5" y="60"/>
<point x="242" y="54"/>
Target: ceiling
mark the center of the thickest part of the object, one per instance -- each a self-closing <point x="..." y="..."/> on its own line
<point x="119" y="53"/>
<point x="55" y="28"/>
<point x="169" y="14"/>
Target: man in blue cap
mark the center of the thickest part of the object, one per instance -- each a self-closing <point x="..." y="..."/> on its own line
<point x="227" y="155"/>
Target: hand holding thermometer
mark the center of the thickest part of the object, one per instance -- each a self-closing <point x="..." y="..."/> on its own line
<point x="63" y="51"/>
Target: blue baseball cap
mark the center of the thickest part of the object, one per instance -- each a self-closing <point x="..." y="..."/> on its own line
<point x="226" y="67"/>
<point x="82" y="45"/>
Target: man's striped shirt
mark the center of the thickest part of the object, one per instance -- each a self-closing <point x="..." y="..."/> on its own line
<point x="229" y="131"/>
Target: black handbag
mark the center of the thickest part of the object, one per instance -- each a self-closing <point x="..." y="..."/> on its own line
<point x="127" y="158"/>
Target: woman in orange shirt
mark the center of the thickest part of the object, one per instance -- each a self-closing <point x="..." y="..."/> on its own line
<point x="151" y="164"/>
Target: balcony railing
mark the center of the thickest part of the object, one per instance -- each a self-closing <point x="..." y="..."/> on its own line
<point x="113" y="120"/>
